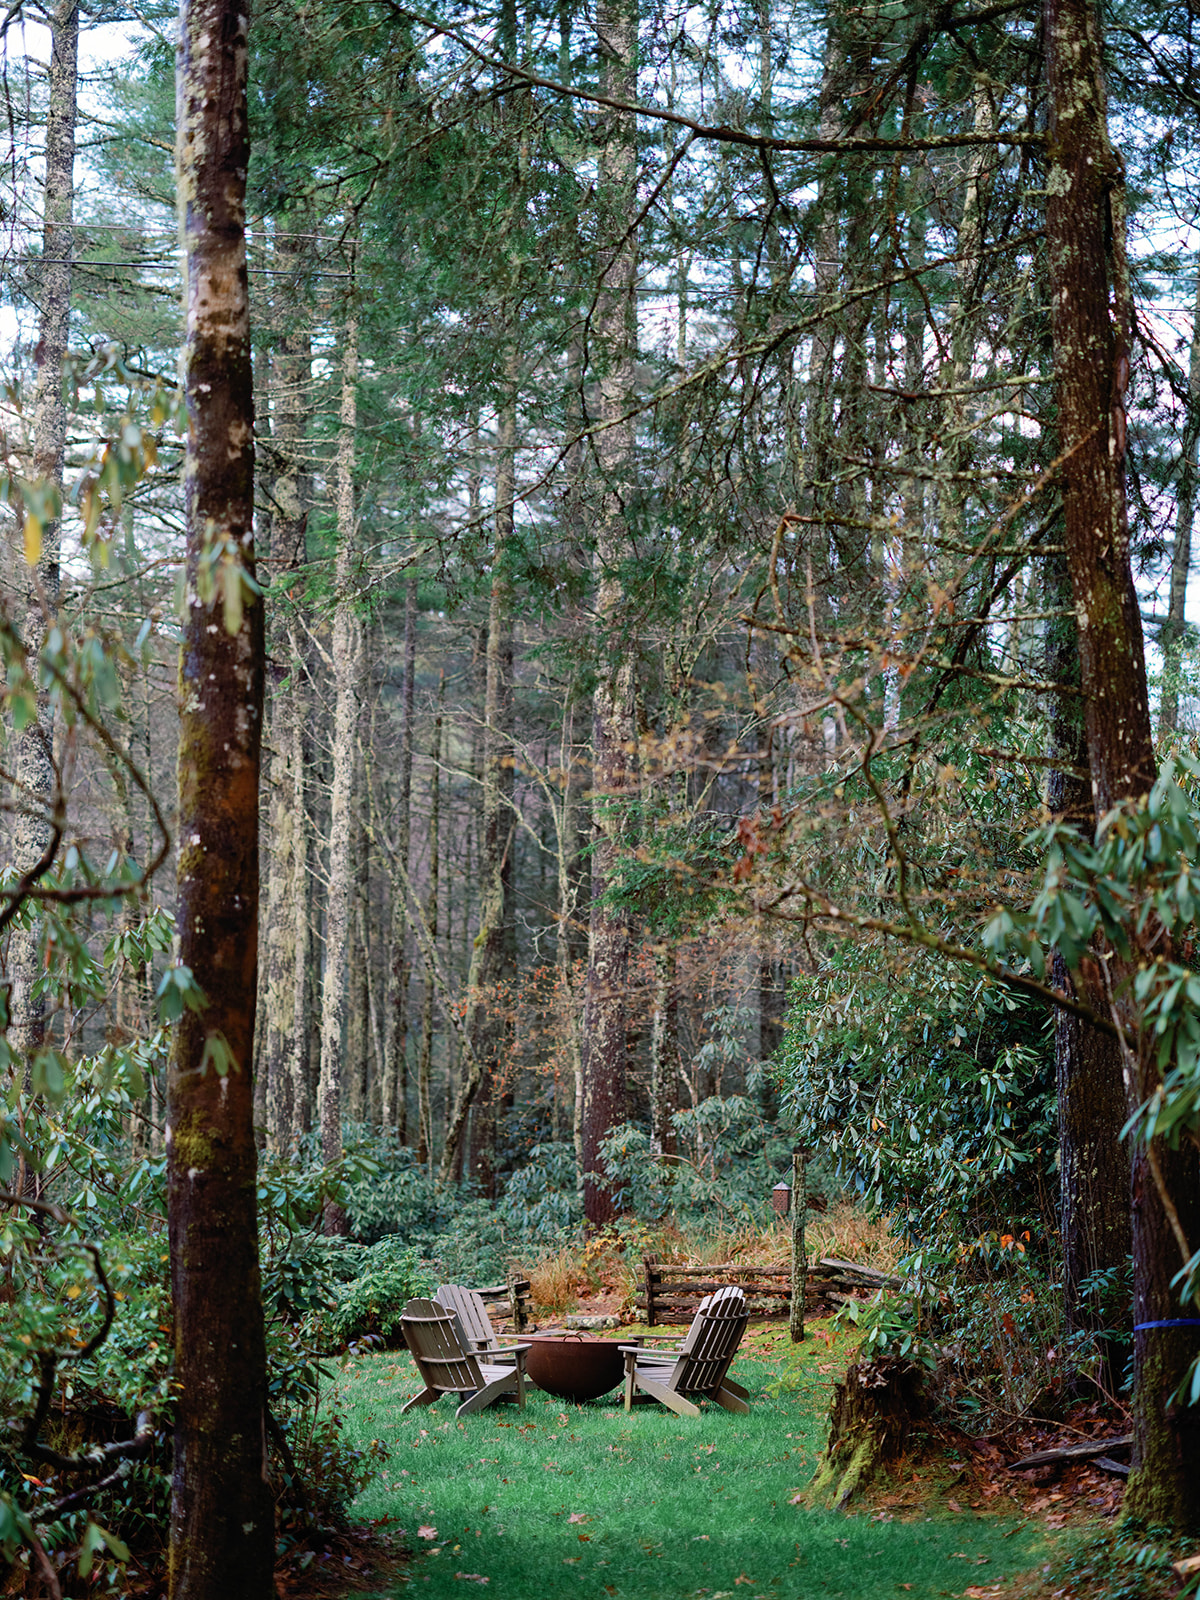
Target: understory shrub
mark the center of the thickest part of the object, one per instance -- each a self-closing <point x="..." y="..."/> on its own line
<point x="729" y="1160"/>
<point x="370" y="1304"/>
<point x="931" y="1088"/>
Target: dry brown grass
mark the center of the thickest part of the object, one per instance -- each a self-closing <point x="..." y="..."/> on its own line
<point x="553" y="1281"/>
<point x="849" y="1233"/>
<point x="613" y="1262"/>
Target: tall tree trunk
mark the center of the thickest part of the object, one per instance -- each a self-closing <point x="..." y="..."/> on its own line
<point x="565" y="935"/>
<point x="425" y="1055"/>
<point x="33" y="747"/>
<point x="395" y="1076"/>
<point x="291" y="490"/>
<point x="300" y="1055"/>
<point x="1085" y="201"/>
<point x="347" y="670"/>
<point x="280" y="938"/>
<point x="358" y="1025"/>
<point x="1174" y="629"/>
<point x="222" y="1537"/>
<point x="485" y="1024"/>
<point x="1094" y="1172"/>
<point x="664" y="1053"/>
<point x="604" y="1044"/>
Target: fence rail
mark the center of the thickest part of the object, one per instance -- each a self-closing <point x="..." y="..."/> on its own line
<point x="670" y="1293"/>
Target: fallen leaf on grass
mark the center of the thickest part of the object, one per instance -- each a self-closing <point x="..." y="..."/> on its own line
<point x="425" y="1531"/>
<point x="579" y="1516"/>
<point x="584" y="1538"/>
<point x="472" y="1577"/>
<point x="954" y="1505"/>
<point x="742" y="1578"/>
<point x="1187" y="1566"/>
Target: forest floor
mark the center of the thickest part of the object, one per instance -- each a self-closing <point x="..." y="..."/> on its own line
<point x="586" y="1501"/>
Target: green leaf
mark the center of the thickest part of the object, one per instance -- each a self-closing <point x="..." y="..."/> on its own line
<point x="217" y="1051"/>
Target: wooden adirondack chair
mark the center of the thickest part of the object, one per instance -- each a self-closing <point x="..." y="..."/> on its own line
<point x="474" y="1325"/>
<point x="447" y="1367"/>
<point x="698" y="1369"/>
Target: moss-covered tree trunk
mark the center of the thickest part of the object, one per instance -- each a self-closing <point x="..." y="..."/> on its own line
<point x="425" y="1053"/>
<point x="1094" y="1171"/>
<point x="604" y="1045"/>
<point x="222" y="1519"/>
<point x="664" y="1052"/>
<point x="33" y="746"/>
<point x="291" y="493"/>
<point x="1090" y="319"/>
<point x="484" y="1023"/>
<point x="347" y="669"/>
<point x="395" y="1072"/>
<point x="1174" y="630"/>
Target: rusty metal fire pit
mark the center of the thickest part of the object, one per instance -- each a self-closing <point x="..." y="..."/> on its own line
<point x="574" y="1366"/>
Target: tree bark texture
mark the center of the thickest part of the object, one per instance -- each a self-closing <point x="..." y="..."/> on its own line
<point x="395" y="1072"/>
<point x="300" y="1054"/>
<point x="1084" y="207"/>
<point x="491" y="950"/>
<point x="1175" y="628"/>
<point x="1085" y="201"/>
<point x="664" y="1053"/>
<point x="33" y="748"/>
<point x="291" y="493"/>
<point x="1094" y="1172"/>
<point x="425" y="1054"/>
<point x="604" y="1046"/>
<point x="357" y="1069"/>
<point x="347" y="670"/>
<point x="222" y="1517"/>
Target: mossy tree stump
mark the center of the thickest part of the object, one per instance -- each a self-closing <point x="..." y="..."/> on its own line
<point x="875" y="1409"/>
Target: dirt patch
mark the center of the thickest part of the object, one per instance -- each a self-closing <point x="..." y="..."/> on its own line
<point x="971" y="1477"/>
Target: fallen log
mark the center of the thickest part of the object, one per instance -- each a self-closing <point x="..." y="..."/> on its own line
<point x="870" y="1277"/>
<point x="734" y="1267"/>
<point x="1088" y="1450"/>
<point x="703" y="1286"/>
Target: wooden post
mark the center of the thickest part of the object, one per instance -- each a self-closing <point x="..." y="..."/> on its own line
<point x="650" y="1277"/>
<point x="799" y="1207"/>
<point x="518" y="1292"/>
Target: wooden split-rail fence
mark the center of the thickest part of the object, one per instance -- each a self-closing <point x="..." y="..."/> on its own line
<point x="671" y="1293"/>
<point x="517" y="1296"/>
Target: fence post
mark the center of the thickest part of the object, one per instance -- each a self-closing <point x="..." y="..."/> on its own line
<point x="516" y="1302"/>
<point x="650" y="1277"/>
<point x="799" y="1264"/>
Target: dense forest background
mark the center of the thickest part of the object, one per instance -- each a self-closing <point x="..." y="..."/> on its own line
<point x="682" y="716"/>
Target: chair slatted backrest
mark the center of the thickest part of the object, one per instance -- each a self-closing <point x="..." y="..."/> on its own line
<point x="711" y="1344"/>
<point x="431" y="1334"/>
<point x="475" y="1326"/>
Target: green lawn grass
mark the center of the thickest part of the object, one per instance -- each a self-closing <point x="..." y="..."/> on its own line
<point x="586" y="1501"/>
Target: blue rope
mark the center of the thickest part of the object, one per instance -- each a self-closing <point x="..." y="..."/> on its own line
<point x="1176" y="1322"/>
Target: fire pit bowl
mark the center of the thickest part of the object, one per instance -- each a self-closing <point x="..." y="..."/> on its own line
<point x="574" y="1366"/>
